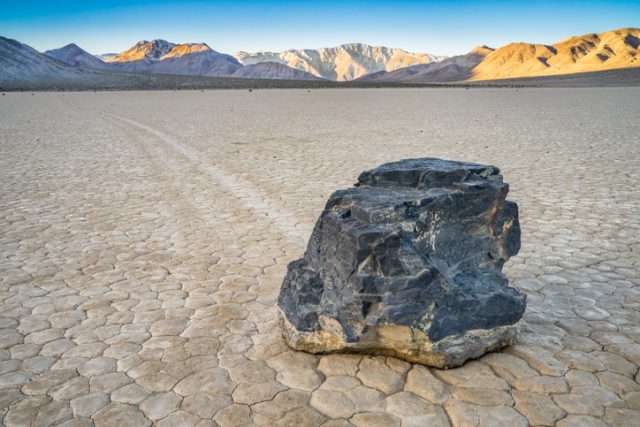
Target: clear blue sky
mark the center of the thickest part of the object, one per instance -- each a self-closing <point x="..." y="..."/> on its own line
<point x="440" y="27"/>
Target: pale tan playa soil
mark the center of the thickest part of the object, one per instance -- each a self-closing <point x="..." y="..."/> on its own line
<point x="144" y="237"/>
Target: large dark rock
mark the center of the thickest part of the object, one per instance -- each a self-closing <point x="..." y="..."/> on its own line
<point x="408" y="263"/>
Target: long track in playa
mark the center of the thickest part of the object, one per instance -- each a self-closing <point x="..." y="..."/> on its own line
<point x="144" y="237"/>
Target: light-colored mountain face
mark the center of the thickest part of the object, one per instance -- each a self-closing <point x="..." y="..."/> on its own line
<point x="72" y="54"/>
<point x="144" y="50"/>
<point x="21" y="62"/>
<point x="591" y="52"/>
<point x="187" y="49"/>
<point x="345" y="62"/>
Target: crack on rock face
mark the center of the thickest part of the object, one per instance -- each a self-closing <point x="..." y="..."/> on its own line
<point x="408" y="263"/>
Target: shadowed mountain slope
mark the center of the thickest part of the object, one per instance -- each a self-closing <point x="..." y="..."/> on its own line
<point x="273" y="70"/>
<point x="19" y="62"/>
<point x="72" y="54"/>
<point x="456" y="68"/>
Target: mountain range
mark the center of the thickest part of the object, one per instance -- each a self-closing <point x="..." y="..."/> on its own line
<point x="21" y="62"/>
<point x="588" y="53"/>
<point x="342" y="63"/>
<point x="162" y="57"/>
<point x="610" y="50"/>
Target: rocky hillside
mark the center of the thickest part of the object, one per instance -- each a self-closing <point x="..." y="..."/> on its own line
<point x="606" y="51"/>
<point x="143" y="51"/>
<point x="19" y="62"/>
<point x="72" y="54"/>
<point x="590" y="52"/>
<point x="163" y="57"/>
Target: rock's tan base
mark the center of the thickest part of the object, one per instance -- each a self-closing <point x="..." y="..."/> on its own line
<point x="403" y="342"/>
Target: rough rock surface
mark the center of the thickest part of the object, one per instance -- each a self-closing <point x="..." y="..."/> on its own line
<point x="408" y="263"/>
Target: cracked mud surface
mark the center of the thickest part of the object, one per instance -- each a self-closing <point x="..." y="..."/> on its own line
<point x="144" y="238"/>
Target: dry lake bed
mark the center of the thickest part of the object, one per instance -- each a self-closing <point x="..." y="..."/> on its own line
<point x="144" y="237"/>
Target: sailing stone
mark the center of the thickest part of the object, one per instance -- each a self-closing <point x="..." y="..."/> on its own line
<point x="408" y="263"/>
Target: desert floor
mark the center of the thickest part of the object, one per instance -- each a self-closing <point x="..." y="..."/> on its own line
<point x="144" y="237"/>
